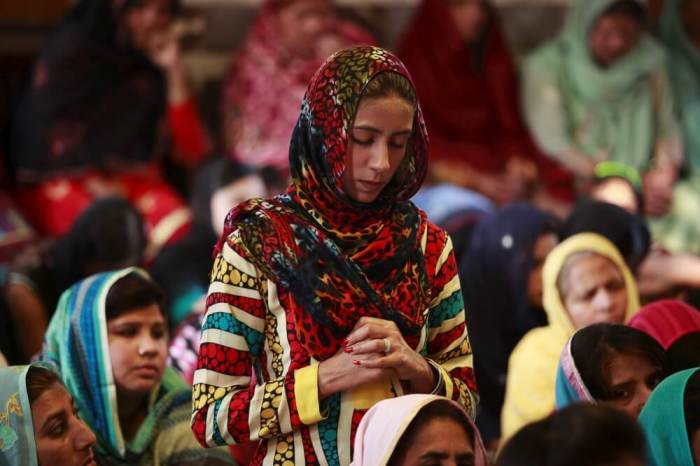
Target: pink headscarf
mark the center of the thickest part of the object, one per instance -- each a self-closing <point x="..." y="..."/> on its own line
<point x="384" y="424"/>
<point x="266" y="85"/>
<point x="667" y="321"/>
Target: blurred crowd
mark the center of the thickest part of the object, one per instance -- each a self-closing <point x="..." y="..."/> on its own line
<point x="568" y="180"/>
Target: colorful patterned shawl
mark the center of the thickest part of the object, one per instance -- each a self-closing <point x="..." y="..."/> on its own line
<point x="76" y="343"/>
<point x="336" y="255"/>
<point x="17" y="445"/>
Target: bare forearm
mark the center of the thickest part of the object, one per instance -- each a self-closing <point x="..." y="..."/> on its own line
<point x="178" y="88"/>
<point x="425" y="381"/>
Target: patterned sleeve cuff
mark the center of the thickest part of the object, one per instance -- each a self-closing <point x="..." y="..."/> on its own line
<point x="306" y="394"/>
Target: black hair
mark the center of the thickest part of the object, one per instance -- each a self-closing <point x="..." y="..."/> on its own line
<point x="691" y="406"/>
<point x="131" y="292"/>
<point x="594" y="347"/>
<point x="390" y="83"/>
<point x="551" y="224"/>
<point x="684" y="353"/>
<point x="214" y="175"/>
<point x="438" y="409"/>
<point x="40" y="379"/>
<point x="629" y="8"/>
<point x="628" y="232"/>
<point x="108" y="235"/>
<point x="273" y="179"/>
<point x="582" y="434"/>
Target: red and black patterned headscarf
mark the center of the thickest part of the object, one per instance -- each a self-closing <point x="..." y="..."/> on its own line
<point x="339" y="258"/>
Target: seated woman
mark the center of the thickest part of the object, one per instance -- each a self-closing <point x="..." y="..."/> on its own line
<point x="578" y="435"/>
<point x="628" y="232"/>
<point x="418" y="429"/>
<point x="676" y="326"/>
<point x="501" y="274"/>
<point x="660" y="274"/>
<point x="39" y="423"/>
<point x="584" y="281"/>
<point x="468" y="84"/>
<point x="600" y="91"/>
<point x="263" y="90"/>
<point x="612" y="365"/>
<point x="109" y="339"/>
<point x="93" y="120"/>
<point x="671" y="421"/>
<point x="679" y="32"/>
<point x="338" y="293"/>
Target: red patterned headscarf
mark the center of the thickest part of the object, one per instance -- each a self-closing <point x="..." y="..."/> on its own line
<point x="339" y="258"/>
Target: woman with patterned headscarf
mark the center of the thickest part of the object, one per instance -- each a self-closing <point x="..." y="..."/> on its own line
<point x="339" y="293"/>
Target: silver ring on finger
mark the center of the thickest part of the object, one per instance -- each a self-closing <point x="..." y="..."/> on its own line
<point x="387" y="345"/>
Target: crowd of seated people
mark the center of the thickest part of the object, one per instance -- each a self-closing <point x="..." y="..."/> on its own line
<point x="434" y="252"/>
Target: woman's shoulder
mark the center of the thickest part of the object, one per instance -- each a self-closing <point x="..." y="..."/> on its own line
<point x="537" y="344"/>
<point x="547" y="59"/>
<point x="433" y="236"/>
<point x="254" y="212"/>
<point x="655" y="51"/>
<point x="251" y="229"/>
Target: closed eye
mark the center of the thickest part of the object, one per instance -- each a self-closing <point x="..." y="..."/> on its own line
<point x="363" y="141"/>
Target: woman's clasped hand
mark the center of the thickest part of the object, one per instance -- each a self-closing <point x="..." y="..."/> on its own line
<point x="376" y="347"/>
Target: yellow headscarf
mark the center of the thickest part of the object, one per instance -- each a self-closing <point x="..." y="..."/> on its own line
<point x="583" y="242"/>
<point x="532" y="366"/>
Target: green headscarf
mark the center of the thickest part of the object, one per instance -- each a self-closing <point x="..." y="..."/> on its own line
<point x="17" y="446"/>
<point x="76" y="342"/>
<point x="684" y="70"/>
<point x="663" y="421"/>
<point x="572" y="104"/>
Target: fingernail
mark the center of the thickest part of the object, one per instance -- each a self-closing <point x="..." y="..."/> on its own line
<point x="348" y="349"/>
<point x="345" y="342"/>
<point x="357" y="363"/>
